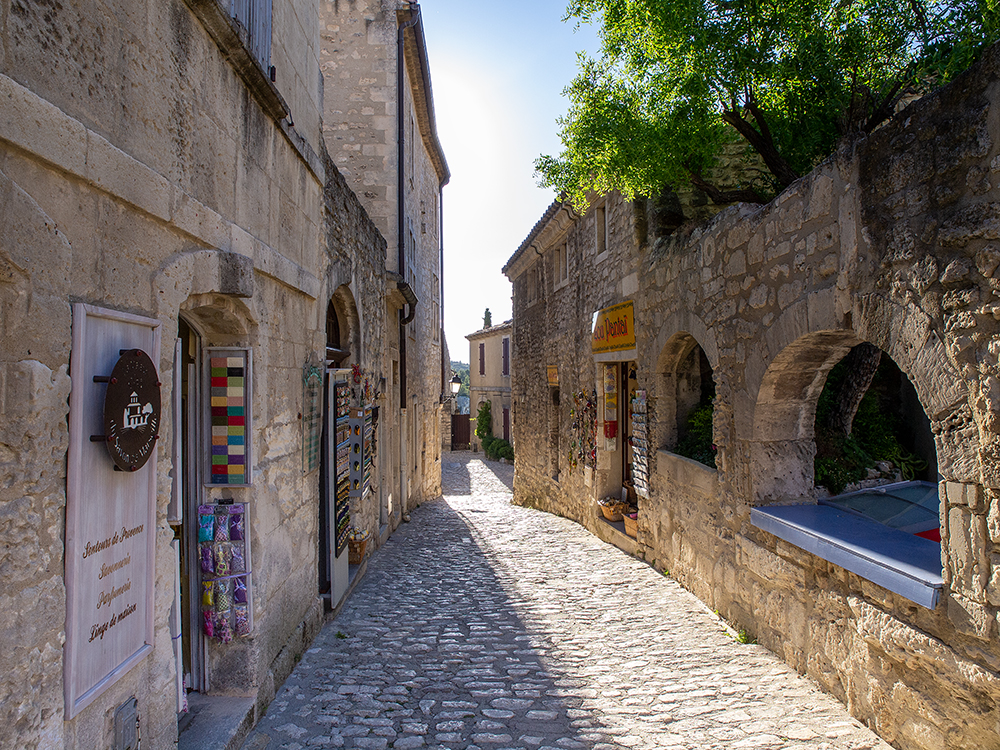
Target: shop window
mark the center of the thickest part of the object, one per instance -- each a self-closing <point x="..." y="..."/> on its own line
<point x="867" y="460"/>
<point x="686" y="405"/>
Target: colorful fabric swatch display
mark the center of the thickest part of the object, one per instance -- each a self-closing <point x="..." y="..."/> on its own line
<point x="224" y="555"/>
<point x="229" y="418"/>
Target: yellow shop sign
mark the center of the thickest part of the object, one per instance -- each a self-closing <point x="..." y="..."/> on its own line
<point x="614" y="329"/>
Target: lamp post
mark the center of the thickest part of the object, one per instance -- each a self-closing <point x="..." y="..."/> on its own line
<point x="456" y="385"/>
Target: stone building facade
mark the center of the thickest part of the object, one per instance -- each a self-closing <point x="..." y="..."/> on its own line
<point x="164" y="187"/>
<point x="489" y="377"/>
<point x="891" y="241"/>
<point x="380" y="130"/>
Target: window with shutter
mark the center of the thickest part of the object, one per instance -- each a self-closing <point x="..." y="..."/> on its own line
<point x="482" y="359"/>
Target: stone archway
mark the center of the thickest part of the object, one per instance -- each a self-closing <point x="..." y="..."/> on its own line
<point x="343" y="328"/>
<point x="782" y="443"/>
<point x="686" y="349"/>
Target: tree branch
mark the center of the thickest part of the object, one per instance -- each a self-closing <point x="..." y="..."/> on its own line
<point x="764" y="146"/>
<point x="718" y="196"/>
<point x="885" y="108"/>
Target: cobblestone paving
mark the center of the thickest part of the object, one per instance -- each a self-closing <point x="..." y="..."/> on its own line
<point x="484" y="625"/>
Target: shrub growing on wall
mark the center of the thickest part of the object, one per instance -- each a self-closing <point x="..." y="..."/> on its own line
<point x="495" y="448"/>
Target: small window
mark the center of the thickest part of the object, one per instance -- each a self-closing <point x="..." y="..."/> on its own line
<point x="560" y="266"/>
<point x="601" y="229"/>
<point x="482" y="359"/>
<point x="532" y="284"/>
<point x="505" y="344"/>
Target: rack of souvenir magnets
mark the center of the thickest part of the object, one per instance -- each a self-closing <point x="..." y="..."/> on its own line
<point x="226" y="576"/>
<point x="640" y="445"/>
<point x="360" y="475"/>
<point x="369" y="431"/>
<point x="342" y="499"/>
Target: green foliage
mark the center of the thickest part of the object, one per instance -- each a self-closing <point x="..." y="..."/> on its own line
<point x="743" y="636"/>
<point x="876" y="435"/>
<point x="462" y="370"/>
<point x="676" y="80"/>
<point x="484" y="422"/>
<point x="498" y="448"/>
<point x="494" y="447"/>
<point x="696" y="436"/>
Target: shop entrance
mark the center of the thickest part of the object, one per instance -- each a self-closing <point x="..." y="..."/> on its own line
<point x="193" y="646"/>
<point x="627" y="388"/>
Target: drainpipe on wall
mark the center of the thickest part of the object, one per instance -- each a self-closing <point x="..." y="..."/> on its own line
<point x="400" y="201"/>
<point x="445" y="366"/>
<point x="403" y="286"/>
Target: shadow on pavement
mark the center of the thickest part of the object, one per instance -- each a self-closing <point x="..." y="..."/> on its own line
<point x="429" y="651"/>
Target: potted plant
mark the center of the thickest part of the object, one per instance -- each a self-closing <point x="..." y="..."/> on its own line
<point x="357" y="542"/>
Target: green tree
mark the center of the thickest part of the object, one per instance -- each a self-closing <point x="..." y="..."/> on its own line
<point x="487" y="319"/>
<point x="462" y="370"/>
<point x="677" y="80"/>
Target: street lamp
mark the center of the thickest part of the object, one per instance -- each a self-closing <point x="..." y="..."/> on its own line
<point x="456" y="385"/>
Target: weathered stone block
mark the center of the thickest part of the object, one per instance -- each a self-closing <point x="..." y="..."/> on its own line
<point x="993" y="516"/>
<point x="820" y="197"/>
<point x="966" y="548"/>
<point x="993" y="586"/>
<point x="970" y="617"/>
<point x="767" y="566"/>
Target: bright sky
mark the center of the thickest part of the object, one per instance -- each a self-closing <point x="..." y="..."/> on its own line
<point x="498" y="70"/>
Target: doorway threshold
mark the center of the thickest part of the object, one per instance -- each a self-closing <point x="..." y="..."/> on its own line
<point x="215" y="722"/>
<point x="613" y="532"/>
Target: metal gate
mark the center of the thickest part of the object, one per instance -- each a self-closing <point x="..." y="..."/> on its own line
<point x="460" y="432"/>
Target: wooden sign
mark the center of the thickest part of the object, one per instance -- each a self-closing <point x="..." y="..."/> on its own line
<point x="552" y="372"/>
<point x="614" y="329"/>
<point x="132" y="410"/>
<point x="110" y="515"/>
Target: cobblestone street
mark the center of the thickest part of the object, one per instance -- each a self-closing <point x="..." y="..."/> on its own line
<point x="481" y="624"/>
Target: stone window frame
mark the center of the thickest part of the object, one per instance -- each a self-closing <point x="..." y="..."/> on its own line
<point x="532" y="282"/>
<point x="602" y="234"/>
<point x="560" y="265"/>
<point x="782" y="448"/>
<point x="673" y="355"/>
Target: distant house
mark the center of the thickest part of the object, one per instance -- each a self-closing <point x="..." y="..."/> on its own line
<point x="489" y="375"/>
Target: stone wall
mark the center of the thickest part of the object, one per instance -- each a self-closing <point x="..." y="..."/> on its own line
<point x="357" y="283"/>
<point x="891" y="242"/>
<point x="138" y="172"/>
<point x="361" y="94"/>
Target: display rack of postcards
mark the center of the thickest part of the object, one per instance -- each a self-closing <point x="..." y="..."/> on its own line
<point x="342" y="499"/>
<point x="226" y="575"/>
<point x="640" y="445"/>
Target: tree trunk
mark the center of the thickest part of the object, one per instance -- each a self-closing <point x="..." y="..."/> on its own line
<point x="861" y="363"/>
